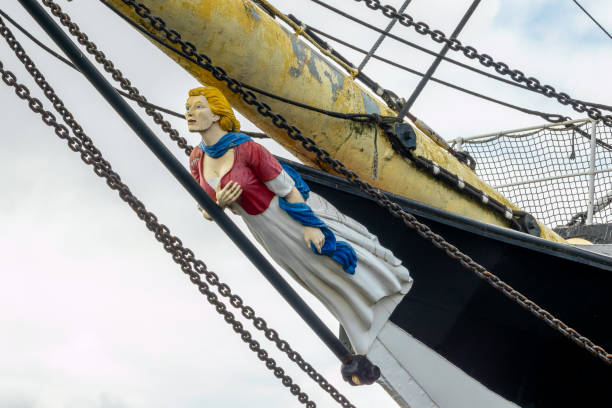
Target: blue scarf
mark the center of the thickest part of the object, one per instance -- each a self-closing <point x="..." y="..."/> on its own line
<point x="229" y="140"/>
<point x="340" y="251"/>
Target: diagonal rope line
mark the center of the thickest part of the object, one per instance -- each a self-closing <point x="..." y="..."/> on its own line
<point x="592" y="18"/>
<point x="39" y="43"/>
<point x="71" y="65"/>
<point x="533" y="84"/>
<point x="382" y="37"/>
<point x="162" y="233"/>
<point x="356" y="117"/>
<point x="547" y="116"/>
<point x="183" y="256"/>
<point x="552" y="118"/>
<point x="395" y="209"/>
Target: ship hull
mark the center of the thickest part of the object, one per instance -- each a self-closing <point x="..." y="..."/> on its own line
<point x="476" y="328"/>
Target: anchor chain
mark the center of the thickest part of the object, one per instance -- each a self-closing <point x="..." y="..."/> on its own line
<point x="258" y="322"/>
<point x="117" y="75"/>
<point x="486" y="60"/>
<point x="193" y="267"/>
<point x="517" y="220"/>
<point x="325" y="157"/>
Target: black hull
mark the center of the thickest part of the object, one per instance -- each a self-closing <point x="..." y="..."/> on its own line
<point x="474" y="326"/>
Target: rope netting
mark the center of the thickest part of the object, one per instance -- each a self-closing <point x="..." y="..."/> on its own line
<point x="546" y="171"/>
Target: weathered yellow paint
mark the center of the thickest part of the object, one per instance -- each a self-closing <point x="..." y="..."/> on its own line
<point x="578" y="241"/>
<point x="253" y="48"/>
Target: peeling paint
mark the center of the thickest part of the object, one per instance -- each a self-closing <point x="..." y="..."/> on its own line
<point x="265" y="54"/>
<point x="337" y="81"/>
<point x="299" y="49"/>
<point x="310" y="63"/>
<point x="294" y="72"/>
<point x="252" y="12"/>
<point x="369" y="105"/>
<point x="300" y="53"/>
<point x="311" y="59"/>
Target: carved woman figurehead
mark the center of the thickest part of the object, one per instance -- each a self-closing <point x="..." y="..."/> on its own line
<point x="337" y="260"/>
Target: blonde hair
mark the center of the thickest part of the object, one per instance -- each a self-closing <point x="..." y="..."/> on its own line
<point x="219" y="106"/>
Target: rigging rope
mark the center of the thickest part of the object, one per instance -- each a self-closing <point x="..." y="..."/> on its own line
<point x="381" y="37"/>
<point x="393" y="101"/>
<point x="592" y="18"/>
<point x="299" y="30"/>
<point x="517" y="76"/>
<point x="547" y="116"/>
<point x="418" y="47"/>
<point x="550" y="117"/>
<point x="71" y="65"/>
<point x="390" y="98"/>
<point x="81" y="143"/>
<point x="141" y="102"/>
<point x="395" y="209"/>
<point x="343" y="62"/>
<point x="421" y="85"/>
<point x="171" y="243"/>
<point x="470" y="52"/>
<point x="356" y="117"/>
<point x="518" y="220"/>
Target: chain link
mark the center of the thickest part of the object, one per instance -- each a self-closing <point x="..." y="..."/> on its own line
<point x="182" y="256"/>
<point x="506" y="213"/>
<point x="117" y="75"/>
<point x="408" y="219"/>
<point x="200" y="267"/>
<point x="470" y="52"/>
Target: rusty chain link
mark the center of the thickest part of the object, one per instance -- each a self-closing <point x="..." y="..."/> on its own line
<point x="515" y="219"/>
<point x="182" y="256"/>
<point x="223" y="289"/>
<point x="486" y="60"/>
<point x="442" y="174"/>
<point x="117" y="75"/>
<point x="189" y="50"/>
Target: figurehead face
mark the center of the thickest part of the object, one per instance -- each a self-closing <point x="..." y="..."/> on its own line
<point x="199" y="116"/>
<point x="207" y="106"/>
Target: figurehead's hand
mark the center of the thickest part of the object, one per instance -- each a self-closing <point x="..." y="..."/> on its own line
<point x="229" y="194"/>
<point x="314" y="236"/>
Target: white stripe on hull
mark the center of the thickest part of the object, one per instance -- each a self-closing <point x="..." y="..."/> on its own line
<point x="417" y="377"/>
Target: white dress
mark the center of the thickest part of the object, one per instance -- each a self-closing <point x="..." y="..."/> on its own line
<point x="362" y="302"/>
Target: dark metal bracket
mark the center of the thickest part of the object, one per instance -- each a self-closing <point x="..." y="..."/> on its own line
<point x="528" y="223"/>
<point x="360" y="371"/>
<point x="406" y="136"/>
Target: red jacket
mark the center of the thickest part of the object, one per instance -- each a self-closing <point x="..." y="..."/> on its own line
<point x="253" y="165"/>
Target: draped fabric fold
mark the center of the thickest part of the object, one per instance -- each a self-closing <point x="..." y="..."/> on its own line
<point x="340" y="251"/>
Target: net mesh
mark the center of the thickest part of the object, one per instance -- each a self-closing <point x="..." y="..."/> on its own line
<point x="559" y="154"/>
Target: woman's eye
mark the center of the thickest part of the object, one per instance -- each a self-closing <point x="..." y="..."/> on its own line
<point x="187" y="108"/>
<point x="198" y="106"/>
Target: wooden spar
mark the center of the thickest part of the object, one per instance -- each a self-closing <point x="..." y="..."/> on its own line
<point x="253" y="48"/>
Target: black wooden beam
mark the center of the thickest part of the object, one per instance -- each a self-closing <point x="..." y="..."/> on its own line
<point x="186" y="180"/>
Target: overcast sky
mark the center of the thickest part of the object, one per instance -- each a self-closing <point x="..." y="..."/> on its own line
<point x="94" y="313"/>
